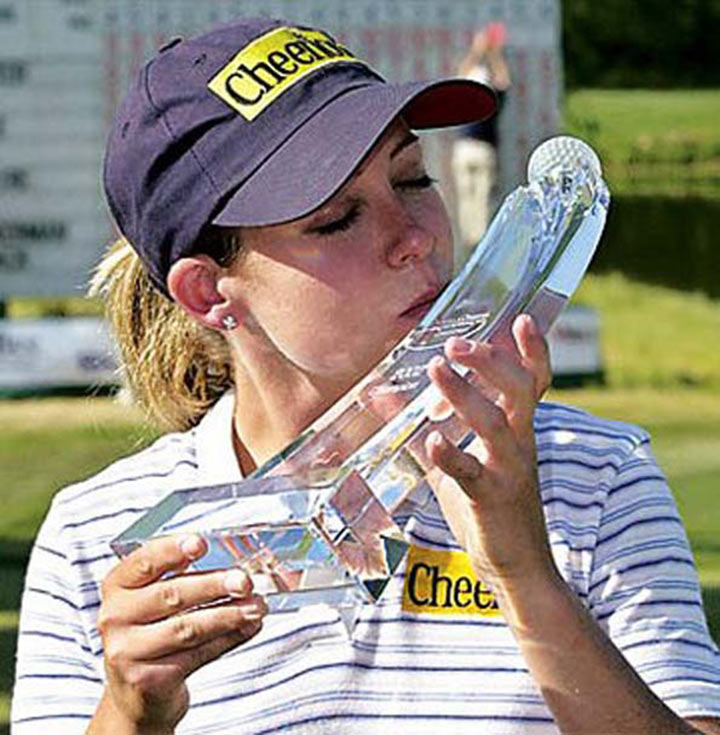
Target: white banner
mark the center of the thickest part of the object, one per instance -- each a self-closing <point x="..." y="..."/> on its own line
<point x="78" y="352"/>
<point x="55" y="353"/>
<point x="574" y="343"/>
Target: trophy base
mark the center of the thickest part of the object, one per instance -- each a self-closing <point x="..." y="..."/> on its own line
<point x="329" y="541"/>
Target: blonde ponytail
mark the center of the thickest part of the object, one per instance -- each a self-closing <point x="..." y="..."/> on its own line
<point x="175" y="368"/>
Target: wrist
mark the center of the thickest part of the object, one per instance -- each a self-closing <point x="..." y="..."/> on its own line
<point x="532" y="602"/>
<point x="111" y="719"/>
<point x="531" y="577"/>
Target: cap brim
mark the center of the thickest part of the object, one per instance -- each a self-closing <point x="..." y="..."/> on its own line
<point x="309" y="167"/>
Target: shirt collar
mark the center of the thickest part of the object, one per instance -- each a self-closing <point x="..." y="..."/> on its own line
<point x="216" y="458"/>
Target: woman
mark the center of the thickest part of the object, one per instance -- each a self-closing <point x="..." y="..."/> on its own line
<point x="286" y="234"/>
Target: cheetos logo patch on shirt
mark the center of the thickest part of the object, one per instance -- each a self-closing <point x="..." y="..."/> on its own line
<point x="443" y="582"/>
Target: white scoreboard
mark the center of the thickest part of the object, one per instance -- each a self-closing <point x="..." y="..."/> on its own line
<point x="65" y="63"/>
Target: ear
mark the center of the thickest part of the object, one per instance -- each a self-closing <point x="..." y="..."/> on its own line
<point x="193" y="284"/>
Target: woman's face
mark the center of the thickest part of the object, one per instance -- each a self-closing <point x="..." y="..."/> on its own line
<point x="335" y="290"/>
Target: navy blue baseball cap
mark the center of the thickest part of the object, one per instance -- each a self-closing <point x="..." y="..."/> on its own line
<point x="257" y="122"/>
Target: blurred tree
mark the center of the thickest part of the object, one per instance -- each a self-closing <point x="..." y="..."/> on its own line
<point x="643" y="43"/>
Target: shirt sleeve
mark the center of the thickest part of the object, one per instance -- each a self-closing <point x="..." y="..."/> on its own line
<point x="644" y="590"/>
<point x="58" y="679"/>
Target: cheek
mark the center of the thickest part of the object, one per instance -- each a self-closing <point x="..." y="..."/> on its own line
<point x="316" y="321"/>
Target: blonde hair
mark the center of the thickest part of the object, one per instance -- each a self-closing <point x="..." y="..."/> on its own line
<point x="174" y="368"/>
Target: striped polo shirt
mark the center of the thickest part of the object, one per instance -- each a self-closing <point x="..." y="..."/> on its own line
<point x="434" y="654"/>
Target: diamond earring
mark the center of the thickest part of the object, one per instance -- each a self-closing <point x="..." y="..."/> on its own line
<point x="229" y="322"/>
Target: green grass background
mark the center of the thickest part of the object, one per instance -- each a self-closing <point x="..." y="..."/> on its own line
<point x="650" y="141"/>
<point x="661" y="350"/>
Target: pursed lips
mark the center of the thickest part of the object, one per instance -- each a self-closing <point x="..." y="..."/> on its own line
<point x="425" y="299"/>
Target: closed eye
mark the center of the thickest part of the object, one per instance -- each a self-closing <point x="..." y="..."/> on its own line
<point x="421" y="182"/>
<point x="339" y="225"/>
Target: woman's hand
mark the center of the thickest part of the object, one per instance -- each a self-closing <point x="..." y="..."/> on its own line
<point x="157" y="630"/>
<point x="489" y="493"/>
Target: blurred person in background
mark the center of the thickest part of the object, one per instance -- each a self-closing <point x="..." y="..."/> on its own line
<point x="280" y="234"/>
<point x="475" y="150"/>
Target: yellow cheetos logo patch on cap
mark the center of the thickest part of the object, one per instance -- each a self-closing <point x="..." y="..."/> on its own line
<point x="443" y="582"/>
<point x="271" y="64"/>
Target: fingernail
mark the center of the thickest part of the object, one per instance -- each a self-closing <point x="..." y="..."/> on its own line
<point x="236" y="582"/>
<point x="527" y="319"/>
<point x="459" y="345"/>
<point x="254" y="610"/>
<point x="436" y="438"/>
<point x="440" y="410"/>
<point x="437" y="361"/>
<point x="192" y="546"/>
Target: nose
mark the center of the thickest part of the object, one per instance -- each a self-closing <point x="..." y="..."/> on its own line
<point x="409" y="242"/>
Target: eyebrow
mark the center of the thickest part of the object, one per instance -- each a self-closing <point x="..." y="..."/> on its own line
<point x="408" y="140"/>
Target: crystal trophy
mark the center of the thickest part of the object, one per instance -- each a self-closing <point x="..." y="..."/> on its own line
<point x="316" y="523"/>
